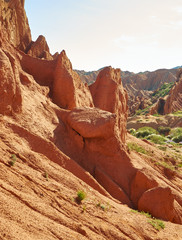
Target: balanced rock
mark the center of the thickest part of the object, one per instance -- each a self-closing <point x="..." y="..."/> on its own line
<point x="108" y="94"/>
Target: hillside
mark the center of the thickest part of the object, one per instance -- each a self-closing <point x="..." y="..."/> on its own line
<point x="68" y="170"/>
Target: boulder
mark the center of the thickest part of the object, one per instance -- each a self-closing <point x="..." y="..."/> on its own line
<point x="160" y="202"/>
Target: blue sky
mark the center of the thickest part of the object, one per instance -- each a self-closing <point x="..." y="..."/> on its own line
<point x="134" y="35"/>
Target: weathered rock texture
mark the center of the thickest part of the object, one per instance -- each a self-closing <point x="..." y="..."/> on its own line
<point x="65" y="138"/>
<point x="14" y="24"/>
<point x="172" y="102"/>
<point x="40" y="49"/>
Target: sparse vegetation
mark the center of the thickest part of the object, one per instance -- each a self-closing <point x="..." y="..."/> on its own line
<point x="156" y="223"/>
<point x="81" y="195"/>
<point x="13" y="161"/>
<point x="104" y="207"/>
<point x="143" y="111"/>
<point x="178" y="113"/>
<point x="135" y="147"/>
<point x="163" y="90"/>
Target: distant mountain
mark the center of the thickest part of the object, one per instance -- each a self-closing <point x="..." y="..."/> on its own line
<point x="140" y="86"/>
<point x="177" y="67"/>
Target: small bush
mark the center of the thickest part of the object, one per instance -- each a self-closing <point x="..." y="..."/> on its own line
<point x="177" y="139"/>
<point x="143" y="132"/>
<point x="13" y="161"/>
<point x="157" y="139"/>
<point x="175" y="132"/>
<point x="132" y="131"/>
<point x="164" y="130"/>
<point x="157" y="224"/>
<point x="81" y="195"/>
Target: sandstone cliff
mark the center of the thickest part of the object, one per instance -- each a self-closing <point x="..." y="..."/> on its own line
<point x="14" y="24"/>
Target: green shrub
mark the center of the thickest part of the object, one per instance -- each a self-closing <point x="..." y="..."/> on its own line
<point x="177" y="139"/>
<point x="175" y="132"/>
<point x="164" y="130"/>
<point x="13" y="161"/>
<point x="157" y="139"/>
<point x="157" y="224"/>
<point x="143" y="132"/>
<point x="132" y="131"/>
<point x="81" y="195"/>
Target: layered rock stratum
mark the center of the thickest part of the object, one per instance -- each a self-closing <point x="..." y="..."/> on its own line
<point x="58" y="136"/>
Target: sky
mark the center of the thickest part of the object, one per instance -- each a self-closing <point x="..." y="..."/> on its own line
<point x="133" y="35"/>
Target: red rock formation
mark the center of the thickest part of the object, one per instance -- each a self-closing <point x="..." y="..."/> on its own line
<point x="83" y="144"/>
<point x="108" y="94"/>
<point x="10" y="92"/>
<point x="12" y="14"/>
<point x="40" y="49"/>
<point x="161" y="204"/>
<point x="68" y="89"/>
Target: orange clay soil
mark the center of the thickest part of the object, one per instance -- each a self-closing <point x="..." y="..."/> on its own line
<point x="38" y="201"/>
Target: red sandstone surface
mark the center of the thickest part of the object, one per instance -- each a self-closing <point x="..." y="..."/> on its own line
<point x="57" y="136"/>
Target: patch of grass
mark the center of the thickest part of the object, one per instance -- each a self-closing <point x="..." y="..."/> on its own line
<point x="163" y="148"/>
<point x="165" y="165"/>
<point x="104" y="207"/>
<point x="84" y="209"/>
<point x="135" y="147"/>
<point x="180" y="165"/>
<point x="157" y="224"/>
<point x="178" y="113"/>
<point x="81" y="195"/>
<point x="13" y="161"/>
<point x="157" y="139"/>
<point x="157" y="115"/>
<point x="145" y="131"/>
